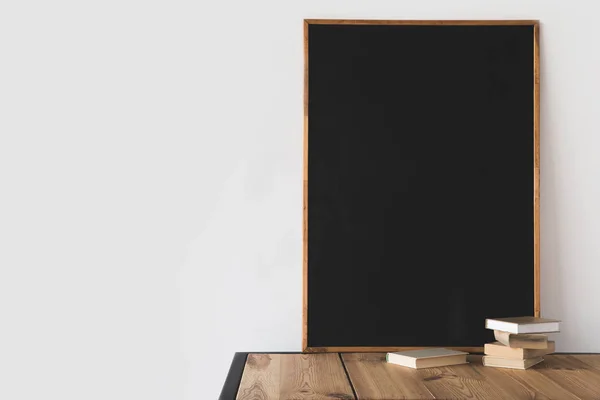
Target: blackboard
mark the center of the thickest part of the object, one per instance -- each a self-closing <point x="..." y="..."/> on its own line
<point x="421" y="182"/>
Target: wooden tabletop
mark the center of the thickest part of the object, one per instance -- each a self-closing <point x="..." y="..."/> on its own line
<point x="368" y="376"/>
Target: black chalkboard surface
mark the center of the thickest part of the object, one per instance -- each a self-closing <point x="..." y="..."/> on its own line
<point x="421" y="203"/>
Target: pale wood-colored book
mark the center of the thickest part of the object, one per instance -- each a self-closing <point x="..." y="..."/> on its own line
<point x="498" y="362"/>
<point x="497" y="349"/>
<point x="523" y="324"/>
<point x="523" y="340"/>
<point x="427" y="358"/>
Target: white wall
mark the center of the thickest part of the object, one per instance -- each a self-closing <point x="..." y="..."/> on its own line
<point x="150" y="185"/>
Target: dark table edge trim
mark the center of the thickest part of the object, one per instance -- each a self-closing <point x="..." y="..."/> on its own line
<point x="234" y="377"/>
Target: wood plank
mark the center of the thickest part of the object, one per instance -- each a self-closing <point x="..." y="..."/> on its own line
<point x="572" y="374"/>
<point x="503" y="383"/>
<point x="322" y="376"/>
<point x="261" y="377"/>
<point x="541" y="385"/>
<point x="459" y="382"/>
<point x="294" y="376"/>
<point x="593" y="360"/>
<point x="314" y="376"/>
<point x="374" y="379"/>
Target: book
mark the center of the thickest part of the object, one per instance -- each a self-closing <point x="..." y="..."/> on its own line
<point x="490" y="361"/>
<point x="497" y="349"/>
<point x="522" y="340"/>
<point x="523" y="324"/>
<point x="427" y="358"/>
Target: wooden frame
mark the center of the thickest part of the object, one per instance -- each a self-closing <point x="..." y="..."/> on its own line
<point x="536" y="172"/>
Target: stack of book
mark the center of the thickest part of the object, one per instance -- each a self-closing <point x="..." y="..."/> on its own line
<point x="520" y="341"/>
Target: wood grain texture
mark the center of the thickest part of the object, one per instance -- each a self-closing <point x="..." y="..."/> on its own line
<point x="573" y="380"/>
<point x="536" y="170"/>
<point x="459" y="382"/>
<point x="503" y="383"/>
<point x="261" y="377"/>
<point x="417" y="22"/>
<point x="373" y="378"/>
<point x="322" y="376"/>
<point x="364" y="349"/>
<point x="572" y="374"/>
<point x="540" y="385"/>
<point x="305" y="201"/>
<point x="294" y="376"/>
<point x="593" y="360"/>
<point x="314" y="377"/>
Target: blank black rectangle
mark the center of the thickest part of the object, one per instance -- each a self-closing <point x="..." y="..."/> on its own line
<point x="420" y="182"/>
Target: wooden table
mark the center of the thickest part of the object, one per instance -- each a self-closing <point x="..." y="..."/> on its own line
<point x="367" y="376"/>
